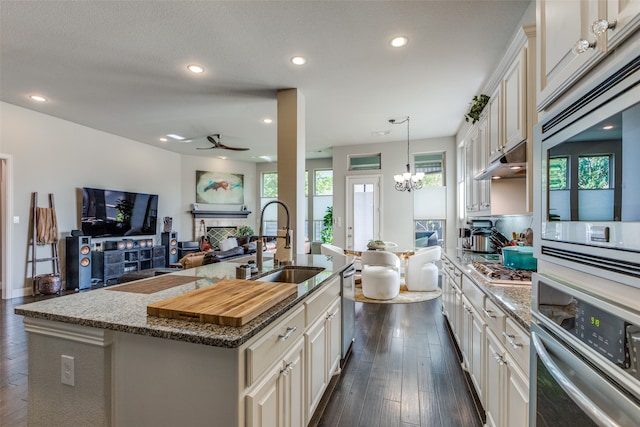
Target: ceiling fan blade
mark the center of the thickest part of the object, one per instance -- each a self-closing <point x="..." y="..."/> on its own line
<point x="205" y="148"/>
<point x="231" y="148"/>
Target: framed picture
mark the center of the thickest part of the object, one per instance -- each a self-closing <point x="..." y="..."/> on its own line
<point x="219" y="188"/>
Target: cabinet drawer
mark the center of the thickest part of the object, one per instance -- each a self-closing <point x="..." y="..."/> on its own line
<point x="271" y="346"/>
<point x="473" y="293"/>
<point x="517" y="344"/>
<point x="319" y="302"/>
<point x="495" y="318"/>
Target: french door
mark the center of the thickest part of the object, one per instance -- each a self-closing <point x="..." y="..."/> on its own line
<point x="363" y="210"/>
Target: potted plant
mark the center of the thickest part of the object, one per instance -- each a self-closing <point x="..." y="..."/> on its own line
<point x="245" y="230"/>
<point x="477" y="106"/>
<point x="327" y="226"/>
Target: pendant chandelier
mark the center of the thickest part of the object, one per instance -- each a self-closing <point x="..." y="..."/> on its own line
<point x="406" y="181"/>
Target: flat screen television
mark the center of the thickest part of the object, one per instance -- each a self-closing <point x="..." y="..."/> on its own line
<point x="113" y="213"/>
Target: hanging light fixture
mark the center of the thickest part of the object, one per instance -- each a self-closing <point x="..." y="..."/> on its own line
<point x="406" y="181"/>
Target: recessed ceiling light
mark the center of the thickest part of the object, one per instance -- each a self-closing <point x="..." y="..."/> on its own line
<point x="222" y="157"/>
<point x="515" y="168"/>
<point x="194" y="68"/>
<point x="163" y="139"/>
<point x="38" y="98"/>
<point x="399" y="41"/>
<point x="176" y="137"/>
<point x="267" y="121"/>
<point x="496" y="177"/>
<point x="380" y="132"/>
<point x="299" y="60"/>
<point x="607" y="127"/>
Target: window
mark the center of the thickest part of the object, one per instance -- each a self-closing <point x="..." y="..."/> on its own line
<point x="429" y="232"/>
<point x="432" y="165"/>
<point x="430" y="203"/>
<point x="594" y="172"/>
<point x="364" y="162"/>
<point x="322" y="202"/>
<point x="269" y="192"/>
<point x="558" y="173"/>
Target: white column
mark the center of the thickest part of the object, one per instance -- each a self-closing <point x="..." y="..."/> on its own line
<point x="291" y="162"/>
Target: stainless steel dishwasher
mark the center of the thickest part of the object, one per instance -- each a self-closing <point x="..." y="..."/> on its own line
<point x="348" y="309"/>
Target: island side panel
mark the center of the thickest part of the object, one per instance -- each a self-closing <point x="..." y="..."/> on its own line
<point x="167" y="382"/>
<point x="88" y="401"/>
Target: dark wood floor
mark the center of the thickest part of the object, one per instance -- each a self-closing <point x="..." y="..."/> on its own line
<point x="403" y="371"/>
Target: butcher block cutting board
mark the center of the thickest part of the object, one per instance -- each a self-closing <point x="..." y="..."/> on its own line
<point x="231" y="302"/>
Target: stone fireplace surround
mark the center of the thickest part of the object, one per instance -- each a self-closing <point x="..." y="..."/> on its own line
<point x="217" y="229"/>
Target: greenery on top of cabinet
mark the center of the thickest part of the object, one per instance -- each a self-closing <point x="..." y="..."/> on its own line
<point x="477" y="105"/>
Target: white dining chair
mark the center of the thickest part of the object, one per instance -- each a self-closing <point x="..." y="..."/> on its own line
<point x="420" y="273"/>
<point x="380" y="275"/>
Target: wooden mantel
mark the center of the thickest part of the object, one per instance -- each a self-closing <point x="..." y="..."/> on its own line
<point x="219" y="214"/>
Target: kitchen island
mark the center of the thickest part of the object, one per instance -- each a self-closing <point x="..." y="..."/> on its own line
<point x="97" y="358"/>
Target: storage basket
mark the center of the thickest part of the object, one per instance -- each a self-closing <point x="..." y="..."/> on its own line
<point x="48" y="283"/>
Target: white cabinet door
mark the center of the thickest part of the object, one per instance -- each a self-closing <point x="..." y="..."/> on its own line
<point x="560" y="25"/>
<point x="483" y="187"/>
<point x="316" y="343"/>
<point x="516" y="396"/>
<point x="465" y="332"/>
<point x="515" y="101"/>
<point x="334" y="340"/>
<point x="476" y="370"/>
<point x="293" y="390"/>
<point x="468" y="177"/>
<point x="495" y="133"/>
<point x="626" y="14"/>
<point x="495" y="385"/>
<point x="278" y="399"/>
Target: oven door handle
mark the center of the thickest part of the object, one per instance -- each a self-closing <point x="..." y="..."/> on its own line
<point x="601" y="418"/>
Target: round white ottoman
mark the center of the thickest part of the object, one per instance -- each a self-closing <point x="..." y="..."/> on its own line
<point x="380" y="282"/>
<point x="428" y="279"/>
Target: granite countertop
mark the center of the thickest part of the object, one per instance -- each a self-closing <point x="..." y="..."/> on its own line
<point x="127" y="312"/>
<point x="515" y="300"/>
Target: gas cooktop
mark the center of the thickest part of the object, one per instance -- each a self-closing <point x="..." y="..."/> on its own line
<point x="498" y="274"/>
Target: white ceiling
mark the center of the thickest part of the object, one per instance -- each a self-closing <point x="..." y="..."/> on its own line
<point x="120" y="67"/>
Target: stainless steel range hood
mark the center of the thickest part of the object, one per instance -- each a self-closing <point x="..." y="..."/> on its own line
<point x="511" y="164"/>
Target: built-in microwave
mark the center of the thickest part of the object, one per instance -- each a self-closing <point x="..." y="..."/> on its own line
<point x="589" y="214"/>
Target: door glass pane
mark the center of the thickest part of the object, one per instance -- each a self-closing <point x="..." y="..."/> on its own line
<point x="363" y="214"/>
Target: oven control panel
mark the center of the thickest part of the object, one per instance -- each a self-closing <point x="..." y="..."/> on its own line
<point x="612" y="333"/>
<point x="603" y="332"/>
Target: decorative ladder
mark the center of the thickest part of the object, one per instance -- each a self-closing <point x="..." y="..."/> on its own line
<point x="34" y="242"/>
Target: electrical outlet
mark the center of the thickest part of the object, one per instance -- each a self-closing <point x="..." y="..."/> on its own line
<point x="68" y="374"/>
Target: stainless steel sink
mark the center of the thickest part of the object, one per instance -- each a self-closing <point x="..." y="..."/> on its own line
<point x="291" y="275"/>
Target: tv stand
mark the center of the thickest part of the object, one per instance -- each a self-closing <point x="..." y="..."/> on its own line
<point x="109" y="265"/>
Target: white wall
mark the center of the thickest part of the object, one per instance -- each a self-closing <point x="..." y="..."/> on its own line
<point x="396" y="207"/>
<point x="56" y="156"/>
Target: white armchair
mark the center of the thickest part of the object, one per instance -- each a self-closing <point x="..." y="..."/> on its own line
<point x="380" y="275"/>
<point x="420" y="273"/>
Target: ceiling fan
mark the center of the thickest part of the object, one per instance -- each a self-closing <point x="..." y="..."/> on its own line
<point x="216" y="139"/>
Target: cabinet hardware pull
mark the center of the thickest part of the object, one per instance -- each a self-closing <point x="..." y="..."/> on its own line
<point x="287" y="368"/>
<point x="489" y="314"/>
<point x="330" y="316"/>
<point x="287" y="334"/>
<point x="582" y="45"/>
<point x="510" y="340"/>
<point x="601" y="26"/>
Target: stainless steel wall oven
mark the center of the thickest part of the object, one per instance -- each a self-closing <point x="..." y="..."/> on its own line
<point x="590" y="180"/>
<point x="585" y="366"/>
